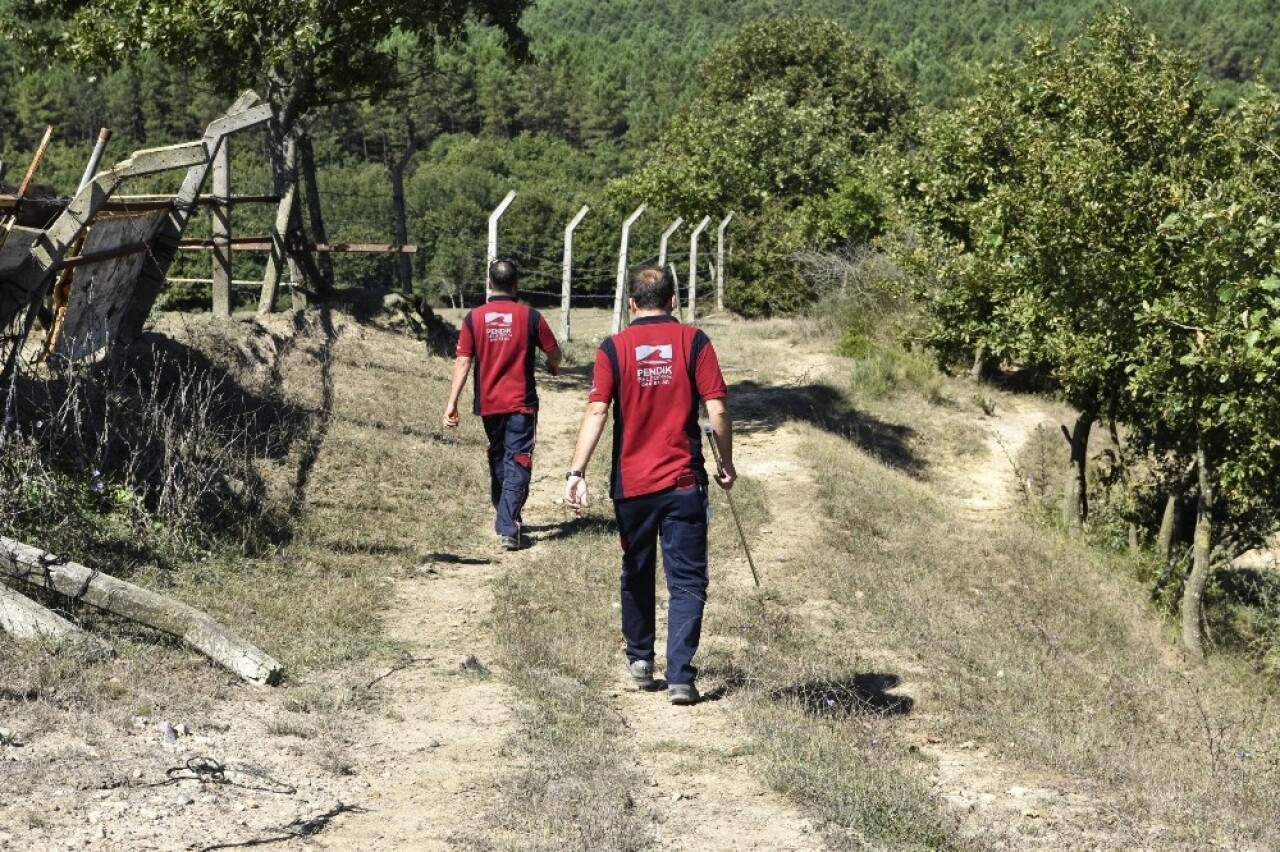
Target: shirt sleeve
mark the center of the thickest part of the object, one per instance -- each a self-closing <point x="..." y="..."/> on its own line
<point x="602" y="389"/>
<point x="707" y="375"/>
<point x="466" y="342"/>
<point x="546" y="340"/>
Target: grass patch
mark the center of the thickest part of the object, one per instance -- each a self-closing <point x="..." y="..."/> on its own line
<point x="1041" y="650"/>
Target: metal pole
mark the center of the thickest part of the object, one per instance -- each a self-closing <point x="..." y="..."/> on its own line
<point x="493" y="224"/>
<point x="693" y="268"/>
<point x="724" y="223"/>
<point x="618" y="298"/>
<point x="662" y="246"/>
<point x="675" y="282"/>
<point x="715" y="454"/>
<point x="568" y="273"/>
<point x="104" y="136"/>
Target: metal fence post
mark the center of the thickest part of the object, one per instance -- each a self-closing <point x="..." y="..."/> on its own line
<point x="493" y="225"/>
<point x="568" y="273"/>
<point x="618" y="296"/>
<point x="724" y="223"/>
<point x="693" y="267"/>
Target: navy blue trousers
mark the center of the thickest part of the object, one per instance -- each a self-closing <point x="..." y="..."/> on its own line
<point x="510" y="466"/>
<point x="679" y="519"/>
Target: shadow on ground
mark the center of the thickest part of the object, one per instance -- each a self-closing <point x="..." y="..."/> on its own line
<point x="858" y="693"/>
<point x="762" y="408"/>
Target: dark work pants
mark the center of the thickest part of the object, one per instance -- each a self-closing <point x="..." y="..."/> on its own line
<point x="679" y="519"/>
<point x="510" y="466"/>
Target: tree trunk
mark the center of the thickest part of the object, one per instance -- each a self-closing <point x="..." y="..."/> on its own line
<point x="1193" y="594"/>
<point x="1168" y="522"/>
<point x="1075" y="496"/>
<point x="283" y="136"/>
<point x="404" y="263"/>
<point x="324" y="261"/>
<point x="979" y="368"/>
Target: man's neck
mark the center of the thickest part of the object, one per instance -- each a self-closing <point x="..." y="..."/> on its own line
<point x="654" y="312"/>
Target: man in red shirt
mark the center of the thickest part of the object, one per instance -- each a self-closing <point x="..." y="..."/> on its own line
<point x="654" y="374"/>
<point x="499" y="340"/>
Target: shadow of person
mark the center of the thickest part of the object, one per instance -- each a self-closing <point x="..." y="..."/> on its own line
<point x="863" y="693"/>
<point x="767" y="407"/>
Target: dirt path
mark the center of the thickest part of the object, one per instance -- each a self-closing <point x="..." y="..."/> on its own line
<point x="721" y="804"/>
<point x="433" y="762"/>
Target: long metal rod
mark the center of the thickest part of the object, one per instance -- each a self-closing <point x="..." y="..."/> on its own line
<point x="715" y="454"/>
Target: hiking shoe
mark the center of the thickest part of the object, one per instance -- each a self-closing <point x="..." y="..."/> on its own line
<point x="514" y="542"/>
<point x="642" y="674"/>
<point x="682" y="693"/>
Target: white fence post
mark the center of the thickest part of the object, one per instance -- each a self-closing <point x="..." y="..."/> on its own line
<point x="724" y="223"/>
<point x="568" y="273"/>
<point x="693" y="267"/>
<point x="618" y="297"/>
<point x="493" y="226"/>
<point x="662" y="245"/>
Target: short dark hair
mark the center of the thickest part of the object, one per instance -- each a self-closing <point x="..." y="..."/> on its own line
<point x="503" y="275"/>
<point x="651" y="287"/>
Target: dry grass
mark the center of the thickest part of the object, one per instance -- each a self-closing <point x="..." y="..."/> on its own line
<point x="1041" y="651"/>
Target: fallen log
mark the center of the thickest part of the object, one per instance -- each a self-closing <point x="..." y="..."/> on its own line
<point x="23" y="618"/>
<point x="135" y="603"/>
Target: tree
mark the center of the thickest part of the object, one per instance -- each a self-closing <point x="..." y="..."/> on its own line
<point x="788" y="108"/>
<point x="1205" y="379"/>
<point x="303" y="56"/>
<point x="1045" y="192"/>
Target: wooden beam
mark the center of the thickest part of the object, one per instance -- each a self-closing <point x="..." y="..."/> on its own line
<point x="23" y="618"/>
<point x="32" y="565"/>
<point x="220" y="227"/>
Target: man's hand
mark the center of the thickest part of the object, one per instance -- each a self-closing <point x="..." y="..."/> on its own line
<point x="451" y="415"/>
<point x="726" y="476"/>
<point x="575" y="493"/>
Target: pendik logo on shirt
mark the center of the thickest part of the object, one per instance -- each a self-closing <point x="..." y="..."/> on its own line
<point x="498" y="326"/>
<point x="653" y="365"/>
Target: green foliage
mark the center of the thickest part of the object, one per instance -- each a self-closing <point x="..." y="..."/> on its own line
<point x="776" y="135"/>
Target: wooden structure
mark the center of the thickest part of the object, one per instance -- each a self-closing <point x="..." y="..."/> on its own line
<point x="108" y="256"/>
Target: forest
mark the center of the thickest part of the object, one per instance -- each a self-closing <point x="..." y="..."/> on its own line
<point x="1081" y="190"/>
<point x="602" y="87"/>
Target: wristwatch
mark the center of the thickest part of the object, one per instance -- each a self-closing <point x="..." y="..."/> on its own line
<point x="571" y="474"/>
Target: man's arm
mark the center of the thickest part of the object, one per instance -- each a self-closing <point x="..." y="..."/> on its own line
<point x="593" y="422"/>
<point x="722" y="434"/>
<point x="461" y="368"/>
<point x="553" y="361"/>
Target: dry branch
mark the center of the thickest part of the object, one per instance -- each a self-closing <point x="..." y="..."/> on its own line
<point x="23" y="618"/>
<point x="135" y="603"/>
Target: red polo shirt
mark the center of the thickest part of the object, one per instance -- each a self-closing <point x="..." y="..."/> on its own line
<point x="502" y="336"/>
<point x="655" y="373"/>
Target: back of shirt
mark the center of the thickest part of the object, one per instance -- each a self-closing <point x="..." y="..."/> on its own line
<point x="502" y="337"/>
<point x="656" y="372"/>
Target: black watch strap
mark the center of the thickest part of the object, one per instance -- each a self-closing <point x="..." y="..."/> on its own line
<point x="571" y="474"/>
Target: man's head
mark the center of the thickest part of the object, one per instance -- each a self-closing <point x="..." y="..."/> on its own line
<point x="651" y="289"/>
<point x="503" y="276"/>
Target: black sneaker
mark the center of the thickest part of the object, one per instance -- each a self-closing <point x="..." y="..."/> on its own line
<point x="682" y="693"/>
<point x="514" y="542"/>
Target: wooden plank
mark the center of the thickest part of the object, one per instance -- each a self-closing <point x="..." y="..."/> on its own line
<point x="115" y="252"/>
<point x="92" y="257"/>
<point x="32" y="565"/>
<point x="220" y="226"/>
<point x="23" y="618"/>
<point x="264" y="244"/>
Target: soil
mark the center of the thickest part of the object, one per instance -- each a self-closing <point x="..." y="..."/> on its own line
<point x="429" y="765"/>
